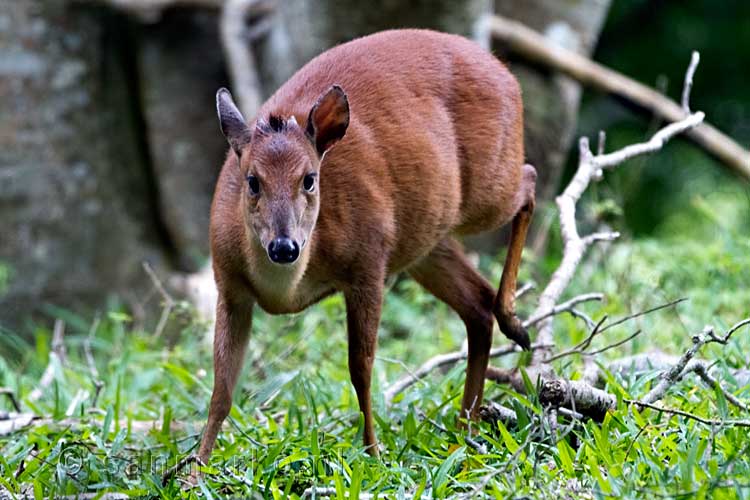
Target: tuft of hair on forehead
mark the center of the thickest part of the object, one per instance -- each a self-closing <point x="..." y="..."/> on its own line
<point x="275" y="123"/>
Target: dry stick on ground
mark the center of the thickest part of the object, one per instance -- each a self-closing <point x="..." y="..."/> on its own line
<point x="535" y="47"/>
<point x="673" y="411"/>
<point x="669" y="377"/>
<point x="172" y="471"/>
<point x="57" y="357"/>
<point x="452" y="358"/>
<point x="600" y="327"/>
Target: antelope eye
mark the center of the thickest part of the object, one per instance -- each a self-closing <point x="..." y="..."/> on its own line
<point x="308" y="183"/>
<point x="253" y="184"/>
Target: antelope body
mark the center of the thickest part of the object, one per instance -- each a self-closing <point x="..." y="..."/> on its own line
<point x="370" y="160"/>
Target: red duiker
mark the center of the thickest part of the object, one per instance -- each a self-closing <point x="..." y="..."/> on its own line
<point x="369" y="161"/>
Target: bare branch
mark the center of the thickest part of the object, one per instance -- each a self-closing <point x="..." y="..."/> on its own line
<point x="575" y="246"/>
<point x="601" y="143"/>
<point x="642" y="313"/>
<point x="492" y="412"/>
<point x="440" y="361"/>
<point x="581" y="346"/>
<point x="577" y="396"/>
<point x="185" y="461"/>
<point x="616" y="344"/>
<point x="567" y="306"/>
<point x="707" y="421"/>
<point x="535" y="47"/>
<point x="654" y="144"/>
<point x="526" y="288"/>
<point x="694" y="60"/>
<point x="702" y="371"/>
<point x="683" y="365"/>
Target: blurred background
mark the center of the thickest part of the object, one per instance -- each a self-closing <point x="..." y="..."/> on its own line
<point x="109" y="145"/>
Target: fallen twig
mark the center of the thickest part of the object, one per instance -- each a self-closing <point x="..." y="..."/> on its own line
<point x="440" y="361"/>
<point x="692" y="416"/>
<point x="670" y="376"/>
<point x="182" y="463"/>
<point x="567" y="306"/>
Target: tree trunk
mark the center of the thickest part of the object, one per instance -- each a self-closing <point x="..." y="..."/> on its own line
<point x="303" y="29"/>
<point x="178" y="77"/>
<point x="78" y="208"/>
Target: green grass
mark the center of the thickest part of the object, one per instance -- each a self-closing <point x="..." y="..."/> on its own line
<point x="295" y="422"/>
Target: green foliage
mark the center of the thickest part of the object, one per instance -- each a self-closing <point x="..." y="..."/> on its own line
<point x="295" y="422"/>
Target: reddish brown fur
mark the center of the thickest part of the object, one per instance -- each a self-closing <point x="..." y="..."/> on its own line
<point x="433" y="150"/>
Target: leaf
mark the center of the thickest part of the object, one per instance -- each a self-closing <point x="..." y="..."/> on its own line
<point x="107" y="423"/>
<point x="565" y="453"/>
<point x="440" y="480"/>
<point x="356" y="484"/>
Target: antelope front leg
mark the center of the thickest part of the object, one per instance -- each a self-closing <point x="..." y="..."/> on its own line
<point x="230" y="341"/>
<point x="363" y="307"/>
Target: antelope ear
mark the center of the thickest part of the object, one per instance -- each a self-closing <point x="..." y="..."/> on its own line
<point x="231" y="121"/>
<point x="328" y="119"/>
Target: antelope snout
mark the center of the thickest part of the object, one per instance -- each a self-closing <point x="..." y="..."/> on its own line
<point x="283" y="250"/>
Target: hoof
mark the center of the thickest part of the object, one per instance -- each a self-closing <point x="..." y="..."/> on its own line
<point x="514" y="330"/>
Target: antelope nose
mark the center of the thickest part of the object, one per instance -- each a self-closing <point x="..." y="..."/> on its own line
<point x="283" y="250"/>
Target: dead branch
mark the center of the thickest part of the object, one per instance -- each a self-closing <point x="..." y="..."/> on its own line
<point x="643" y="313"/>
<point x="580" y="396"/>
<point x="577" y="396"/>
<point x="669" y="377"/>
<point x="452" y="358"/>
<point x="57" y="357"/>
<point x="493" y="412"/>
<point x="172" y="471"/>
<point x="692" y="416"/>
<point x="688" y="86"/>
<point x="535" y="47"/>
<point x="526" y="288"/>
<point x="440" y="361"/>
<point x="567" y="306"/>
<point x="575" y="246"/>
<point x="582" y="347"/>
<point x="14" y="421"/>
